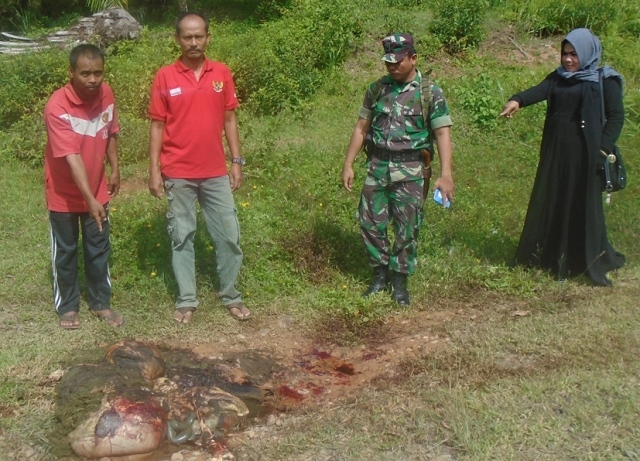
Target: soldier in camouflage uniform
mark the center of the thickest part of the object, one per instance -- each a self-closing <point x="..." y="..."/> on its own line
<point x="393" y="131"/>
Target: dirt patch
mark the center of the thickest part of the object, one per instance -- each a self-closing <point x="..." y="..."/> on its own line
<point x="6" y="411"/>
<point x="134" y="184"/>
<point x="503" y="45"/>
<point x="297" y="371"/>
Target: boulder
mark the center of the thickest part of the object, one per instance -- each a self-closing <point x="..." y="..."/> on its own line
<point x="108" y="26"/>
<point x="103" y="28"/>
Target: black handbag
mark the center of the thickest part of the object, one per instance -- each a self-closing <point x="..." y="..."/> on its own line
<point x="613" y="173"/>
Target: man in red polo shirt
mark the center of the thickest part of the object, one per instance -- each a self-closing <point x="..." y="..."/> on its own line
<point x="193" y="102"/>
<point x="82" y="127"/>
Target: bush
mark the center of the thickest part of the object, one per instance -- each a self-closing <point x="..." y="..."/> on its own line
<point x="133" y="141"/>
<point x="27" y="80"/>
<point x="131" y="77"/>
<point x="293" y="53"/>
<point x="14" y="16"/>
<point x="458" y="24"/>
<point x="548" y="17"/>
<point x="481" y="99"/>
<point x="25" y="140"/>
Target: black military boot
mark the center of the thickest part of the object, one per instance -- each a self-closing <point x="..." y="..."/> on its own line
<point x="399" y="287"/>
<point x="379" y="282"/>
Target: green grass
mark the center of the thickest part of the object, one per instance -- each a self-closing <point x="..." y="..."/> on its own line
<point x="558" y="383"/>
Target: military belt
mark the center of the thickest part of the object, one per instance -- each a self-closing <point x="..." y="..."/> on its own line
<point x="407" y="155"/>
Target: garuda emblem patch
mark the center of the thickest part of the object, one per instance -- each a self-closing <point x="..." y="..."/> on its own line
<point x="217" y="86"/>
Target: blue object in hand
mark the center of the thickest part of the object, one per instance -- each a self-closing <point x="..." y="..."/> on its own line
<point x="437" y="196"/>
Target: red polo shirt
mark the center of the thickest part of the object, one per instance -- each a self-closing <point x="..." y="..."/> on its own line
<point x="193" y="113"/>
<point x="76" y="127"/>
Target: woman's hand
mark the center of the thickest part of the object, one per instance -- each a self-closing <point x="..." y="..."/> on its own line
<point x="509" y="109"/>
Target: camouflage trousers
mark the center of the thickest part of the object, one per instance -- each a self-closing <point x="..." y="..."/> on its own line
<point x="397" y="203"/>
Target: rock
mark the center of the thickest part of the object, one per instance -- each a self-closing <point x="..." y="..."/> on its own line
<point x="103" y="28"/>
<point x="108" y="26"/>
<point x="285" y="321"/>
<point x="272" y="420"/>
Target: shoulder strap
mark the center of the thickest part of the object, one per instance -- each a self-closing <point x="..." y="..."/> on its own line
<point x="376" y="89"/>
<point x="600" y="78"/>
<point x="426" y="94"/>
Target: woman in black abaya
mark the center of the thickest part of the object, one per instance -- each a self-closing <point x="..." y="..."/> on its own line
<point x="565" y="230"/>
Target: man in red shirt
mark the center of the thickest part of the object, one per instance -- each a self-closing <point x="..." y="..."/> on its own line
<point x="82" y="127"/>
<point x="193" y="102"/>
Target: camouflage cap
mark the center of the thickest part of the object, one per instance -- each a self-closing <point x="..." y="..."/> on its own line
<point x="397" y="46"/>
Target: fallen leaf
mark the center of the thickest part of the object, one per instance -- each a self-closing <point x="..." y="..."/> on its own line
<point x="521" y="313"/>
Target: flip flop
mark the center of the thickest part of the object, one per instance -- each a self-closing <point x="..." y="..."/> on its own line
<point x="183" y="314"/>
<point x="110" y="316"/>
<point x="70" y="321"/>
<point x="239" y="311"/>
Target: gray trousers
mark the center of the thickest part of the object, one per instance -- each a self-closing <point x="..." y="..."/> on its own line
<point x="65" y="231"/>
<point x="220" y="215"/>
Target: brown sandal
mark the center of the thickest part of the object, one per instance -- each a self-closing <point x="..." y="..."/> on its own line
<point x="239" y="311"/>
<point x="70" y="321"/>
<point x="183" y="314"/>
<point x="112" y="318"/>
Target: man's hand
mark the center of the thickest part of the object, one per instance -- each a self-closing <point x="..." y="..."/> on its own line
<point x="113" y="184"/>
<point x="79" y="175"/>
<point x="156" y="184"/>
<point x="446" y="186"/>
<point x="97" y="212"/>
<point x="355" y="144"/>
<point x="235" y="177"/>
<point x="347" y="177"/>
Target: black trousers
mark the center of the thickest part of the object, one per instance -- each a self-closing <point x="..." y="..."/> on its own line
<point x="65" y="234"/>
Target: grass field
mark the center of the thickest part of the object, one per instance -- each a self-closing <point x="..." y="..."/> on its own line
<point x="488" y="363"/>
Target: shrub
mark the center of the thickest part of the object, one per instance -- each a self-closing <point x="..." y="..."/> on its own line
<point x="458" y="24"/>
<point x="25" y="140"/>
<point x="292" y="53"/>
<point x="28" y="79"/>
<point x="133" y="141"/>
<point x="131" y="77"/>
<point x="547" y="17"/>
<point x="481" y="99"/>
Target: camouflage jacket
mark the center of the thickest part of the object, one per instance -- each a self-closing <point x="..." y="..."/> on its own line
<point x="395" y="112"/>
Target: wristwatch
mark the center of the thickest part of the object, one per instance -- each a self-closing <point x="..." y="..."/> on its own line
<point x="239" y="160"/>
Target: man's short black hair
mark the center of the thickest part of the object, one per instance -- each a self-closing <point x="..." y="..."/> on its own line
<point x="192" y="13"/>
<point x="85" y="49"/>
